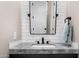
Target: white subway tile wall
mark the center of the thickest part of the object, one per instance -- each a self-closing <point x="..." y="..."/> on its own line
<point x="61" y="10"/>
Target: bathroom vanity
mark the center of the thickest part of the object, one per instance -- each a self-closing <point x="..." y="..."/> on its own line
<point x="42" y="23"/>
<point x="26" y="50"/>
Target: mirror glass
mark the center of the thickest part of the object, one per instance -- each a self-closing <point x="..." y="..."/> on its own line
<point x="43" y="17"/>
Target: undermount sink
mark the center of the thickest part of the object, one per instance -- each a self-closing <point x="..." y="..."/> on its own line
<point x="38" y="46"/>
<point x="51" y="46"/>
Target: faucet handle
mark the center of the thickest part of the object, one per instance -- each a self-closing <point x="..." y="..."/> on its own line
<point x="38" y="42"/>
<point x="47" y="42"/>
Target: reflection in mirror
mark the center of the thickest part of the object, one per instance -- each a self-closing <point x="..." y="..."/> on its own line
<point x="43" y="17"/>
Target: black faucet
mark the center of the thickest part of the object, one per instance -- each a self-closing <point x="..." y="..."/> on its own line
<point x="47" y="42"/>
<point x="42" y="40"/>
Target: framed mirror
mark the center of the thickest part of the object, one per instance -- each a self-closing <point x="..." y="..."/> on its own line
<point x="43" y="17"/>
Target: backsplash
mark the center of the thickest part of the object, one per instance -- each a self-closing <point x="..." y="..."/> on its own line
<point x="61" y="10"/>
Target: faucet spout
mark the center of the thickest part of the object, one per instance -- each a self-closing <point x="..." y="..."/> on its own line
<point x="42" y="40"/>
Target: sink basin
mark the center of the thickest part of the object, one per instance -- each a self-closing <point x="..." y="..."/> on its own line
<point x="43" y="46"/>
<point x="51" y="46"/>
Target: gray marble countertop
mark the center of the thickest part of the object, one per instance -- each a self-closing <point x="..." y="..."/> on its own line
<point x="43" y="51"/>
<point x="25" y="48"/>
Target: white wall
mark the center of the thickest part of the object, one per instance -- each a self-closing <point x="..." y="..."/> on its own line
<point x="9" y="23"/>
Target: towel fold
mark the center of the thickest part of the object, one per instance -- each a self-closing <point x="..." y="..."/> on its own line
<point x="65" y="31"/>
<point x="68" y="33"/>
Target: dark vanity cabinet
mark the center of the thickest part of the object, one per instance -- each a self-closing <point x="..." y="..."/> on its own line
<point x="43" y="55"/>
<point x="30" y="53"/>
